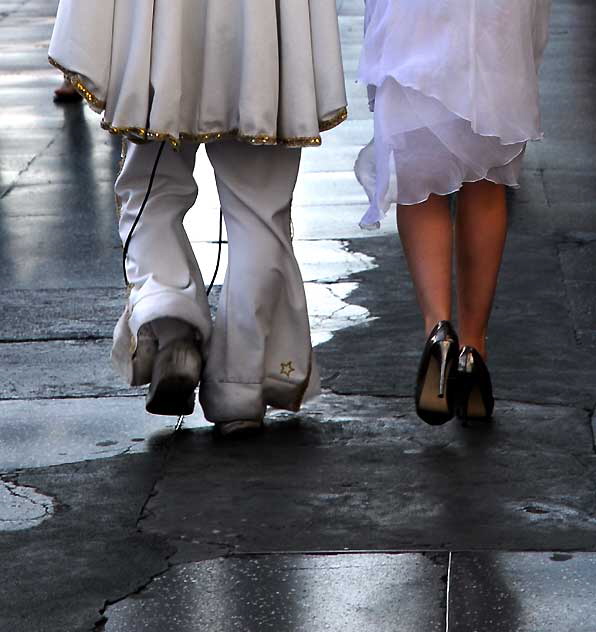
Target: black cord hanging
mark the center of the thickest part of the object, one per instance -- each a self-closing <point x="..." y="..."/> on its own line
<point x="220" y="243"/>
<point x="138" y="217"/>
<point x="140" y="213"/>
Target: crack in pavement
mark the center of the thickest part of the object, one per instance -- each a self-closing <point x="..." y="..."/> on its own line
<point x="100" y="624"/>
<point x="568" y="301"/>
<point x="11" y="485"/>
<point x="542" y="172"/>
<point x="44" y="505"/>
<point x="144" y="513"/>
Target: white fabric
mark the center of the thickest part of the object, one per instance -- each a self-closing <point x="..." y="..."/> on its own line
<point x="260" y="68"/>
<point x="455" y="93"/>
<point x="258" y="352"/>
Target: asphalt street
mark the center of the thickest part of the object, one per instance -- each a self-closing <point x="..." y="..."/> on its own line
<point x="351" y="515"/>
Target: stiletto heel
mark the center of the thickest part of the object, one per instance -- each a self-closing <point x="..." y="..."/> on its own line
<point x="445" y="347"/>
<point x="475" y="401"/>
<point x="434" y="393"/>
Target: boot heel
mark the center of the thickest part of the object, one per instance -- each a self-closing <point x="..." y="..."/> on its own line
<point x="176" y="375"/>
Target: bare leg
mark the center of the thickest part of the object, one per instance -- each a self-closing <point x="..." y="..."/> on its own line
<point x="480" y="234"/>
<point x="426" y="233"/>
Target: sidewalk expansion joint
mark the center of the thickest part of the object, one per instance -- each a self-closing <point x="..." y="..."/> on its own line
<point x="110" y="395"/>
<point x="524" y="402"/>
<point x="15" y="182"/>
<point x="86" y="338"/>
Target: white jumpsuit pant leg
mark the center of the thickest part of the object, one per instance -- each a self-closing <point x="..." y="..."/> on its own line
<point x="258" y="352"/>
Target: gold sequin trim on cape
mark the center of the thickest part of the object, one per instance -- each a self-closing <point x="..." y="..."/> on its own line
<point x="142" y="135"/>
<point x="78" y="83"/>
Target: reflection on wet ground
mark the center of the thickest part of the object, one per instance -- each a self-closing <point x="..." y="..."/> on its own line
<point x="291" y="594"/>
<point x="127" y="497"/>
<point x="324" y="262"/>
<point x="52" y="432"/>
<point x="329" y="312"/>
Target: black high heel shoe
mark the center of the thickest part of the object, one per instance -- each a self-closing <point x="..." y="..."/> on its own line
<point x="435" y="402"/>
<point x="475" y="401"/>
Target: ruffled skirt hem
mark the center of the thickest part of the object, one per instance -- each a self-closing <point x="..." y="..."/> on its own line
<point x="407" y="166"/>
<point x="422" y="148"/>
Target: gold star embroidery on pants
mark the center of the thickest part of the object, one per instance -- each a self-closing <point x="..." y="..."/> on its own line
<point x="287" y="369"/>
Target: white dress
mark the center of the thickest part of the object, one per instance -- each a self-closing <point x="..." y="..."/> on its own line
<point x="263" y="71"/>
<point x="454" y="87"/>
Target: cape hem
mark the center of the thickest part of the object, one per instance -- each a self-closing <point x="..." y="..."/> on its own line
<point x="142" y="135"/>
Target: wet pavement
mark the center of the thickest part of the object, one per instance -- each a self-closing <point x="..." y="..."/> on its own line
<point x="296" y="593"/>
<point x="352" y="514"/>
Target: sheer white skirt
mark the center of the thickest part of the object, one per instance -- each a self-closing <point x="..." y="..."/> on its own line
<point x="454" y="86"/>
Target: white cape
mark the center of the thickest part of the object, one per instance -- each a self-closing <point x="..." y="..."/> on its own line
<point x="262" y="71"/>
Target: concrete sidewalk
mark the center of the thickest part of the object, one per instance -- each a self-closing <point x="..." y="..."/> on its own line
<point x="352" y="515"/>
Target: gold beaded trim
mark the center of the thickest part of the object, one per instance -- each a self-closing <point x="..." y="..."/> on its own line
<point x="142" y="135"/>
<point x="334" y="121"/>
<point x="78" y="83"/>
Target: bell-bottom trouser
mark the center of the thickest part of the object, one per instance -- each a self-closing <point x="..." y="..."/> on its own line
<point x="258" y="351"/>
